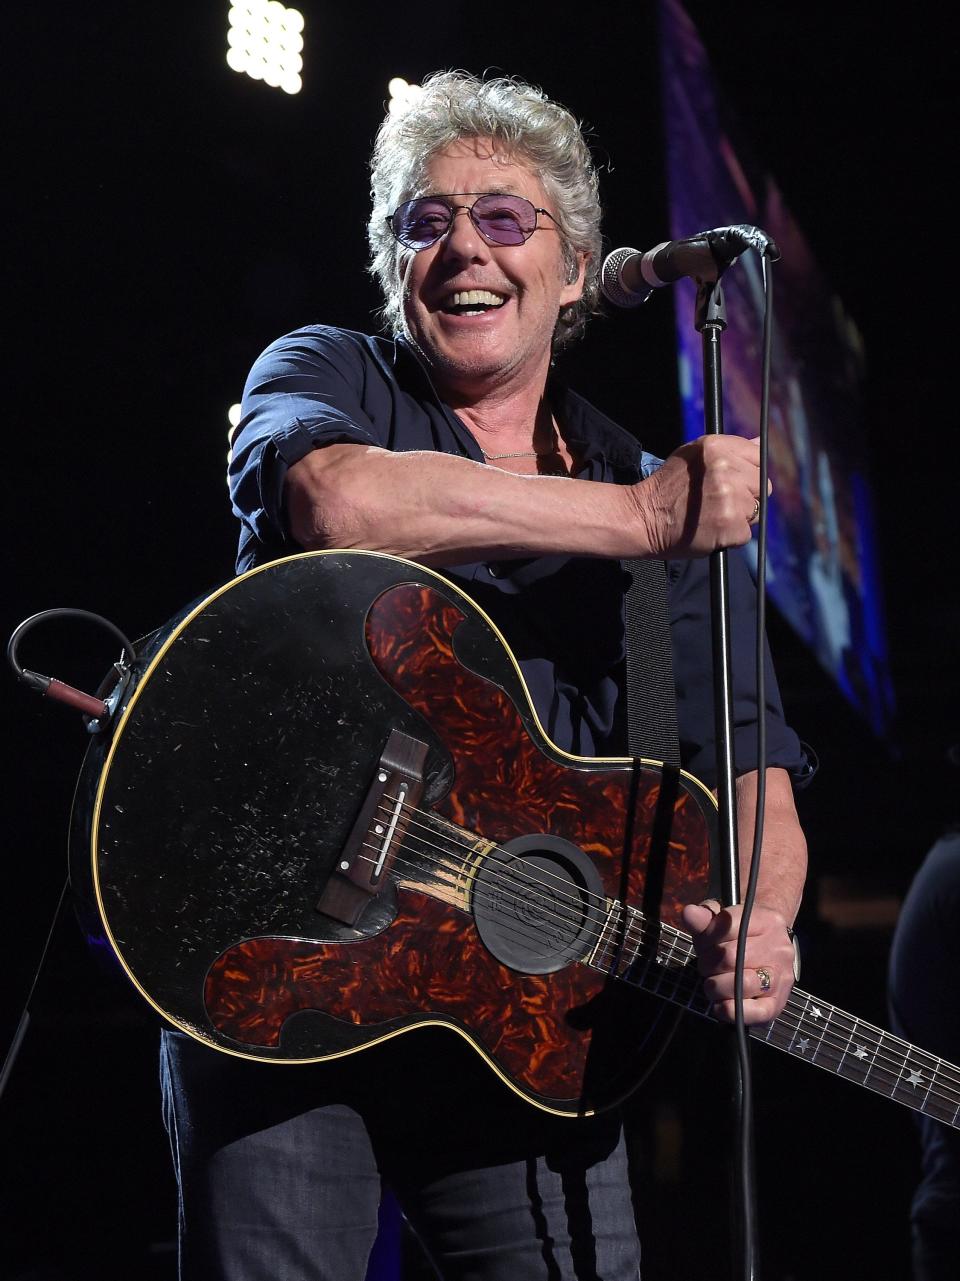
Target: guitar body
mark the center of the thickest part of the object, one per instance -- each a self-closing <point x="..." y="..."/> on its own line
<point x="271" y="898"/>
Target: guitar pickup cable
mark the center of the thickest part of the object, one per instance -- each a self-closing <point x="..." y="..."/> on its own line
<point x="97" y="709"/>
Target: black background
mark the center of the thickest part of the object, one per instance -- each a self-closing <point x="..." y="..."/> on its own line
<point x="169" y="219"/>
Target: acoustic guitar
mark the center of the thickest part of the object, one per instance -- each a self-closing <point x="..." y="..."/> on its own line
<point x="327" y="815"/>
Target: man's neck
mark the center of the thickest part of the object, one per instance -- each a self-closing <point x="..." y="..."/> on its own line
<point x="508" y="418"/>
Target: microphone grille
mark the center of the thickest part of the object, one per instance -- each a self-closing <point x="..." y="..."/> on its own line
<point x="611" y="280"/>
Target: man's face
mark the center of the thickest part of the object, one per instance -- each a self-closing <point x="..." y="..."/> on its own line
<point x="475" y="348"/>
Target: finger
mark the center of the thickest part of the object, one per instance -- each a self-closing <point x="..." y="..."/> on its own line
<point x="763" y="1010"/>
<point x="758" y="982"/>
<point x="698" y="917"/>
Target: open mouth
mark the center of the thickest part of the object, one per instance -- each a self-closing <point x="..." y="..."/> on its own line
<point x="472" y="302"/>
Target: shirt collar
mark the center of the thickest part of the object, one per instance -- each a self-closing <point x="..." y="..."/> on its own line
<point x="591" y="435"/>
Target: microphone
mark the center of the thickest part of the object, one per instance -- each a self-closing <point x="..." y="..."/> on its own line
<point x="628" y="277"/>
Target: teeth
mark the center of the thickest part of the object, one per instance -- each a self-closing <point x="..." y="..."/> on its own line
<point x="474" y="297"/>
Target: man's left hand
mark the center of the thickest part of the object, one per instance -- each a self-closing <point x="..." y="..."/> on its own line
<point x="768" y="963"/>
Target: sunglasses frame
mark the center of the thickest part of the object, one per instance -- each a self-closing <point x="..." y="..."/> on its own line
<point x="455" y="209"/>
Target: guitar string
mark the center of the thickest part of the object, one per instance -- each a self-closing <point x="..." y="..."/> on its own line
<point x="526" y="933"/>
<point x="518" y="865"/>
<point x="836" y="1043"/>
<point x="840" y="1040"/>
<point x="829" y="1040"/>
<point x="833" y="1042"/>
<point x="469" y="848"/>
<point x="535" y="873"/>
<point x="840" y="1045"/>
<point x="471" y="864"/>
<point x="859" y="1024"/>
<point x="539" y="872"/>
<point x="880" y="1072"/>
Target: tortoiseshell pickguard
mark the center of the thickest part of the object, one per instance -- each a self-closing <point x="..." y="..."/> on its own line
<point x="430" y="963"/>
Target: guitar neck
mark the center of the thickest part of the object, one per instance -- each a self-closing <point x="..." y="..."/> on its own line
<point x="662" y="961"/>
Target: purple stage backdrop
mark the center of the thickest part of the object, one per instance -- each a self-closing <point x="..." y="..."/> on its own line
<point x="822" y="569"/>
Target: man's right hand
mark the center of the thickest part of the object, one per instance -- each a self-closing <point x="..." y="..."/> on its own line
<point x="704" y="497"/>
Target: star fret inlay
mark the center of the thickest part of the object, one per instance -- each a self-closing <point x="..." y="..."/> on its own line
<point x="860" y="1052"/>
<point x="914" y="1078"/>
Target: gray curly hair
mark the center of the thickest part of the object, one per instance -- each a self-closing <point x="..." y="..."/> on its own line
<point x="524" y="122"/>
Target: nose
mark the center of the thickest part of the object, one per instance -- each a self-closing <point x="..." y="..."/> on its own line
<point x="462" y="238"/>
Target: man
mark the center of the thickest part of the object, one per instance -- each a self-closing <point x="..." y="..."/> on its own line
<point x="454" y="445"/>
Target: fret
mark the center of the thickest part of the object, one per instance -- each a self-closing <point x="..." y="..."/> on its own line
<point x="779" y="1032"/>
<point x="916" y="1076"/>
<point x="659" y="959"/>
<point x="598" y="958"/>
<point x="860" y="1051"/>
<point x="885" y="1070"/>
<point x="801" y="1030"/>
<point x="942" y="1100"/>
<point x="821" y="1034"/>
<point x="656" y="965"/>
<point x="670" y="969"/>
<point x="697" y="1000"/>
<point x="642" y="963"/>
<point x="631" y="951"/>
<point x="813" y="1011"/>
<point x="801" y="1041"/>
<point x="633" y="939"/>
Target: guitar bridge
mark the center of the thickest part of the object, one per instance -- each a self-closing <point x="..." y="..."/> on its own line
<point x="370" y="849"/>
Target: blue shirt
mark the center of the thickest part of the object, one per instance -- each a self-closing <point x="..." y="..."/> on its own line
<point x="562" y="615"/>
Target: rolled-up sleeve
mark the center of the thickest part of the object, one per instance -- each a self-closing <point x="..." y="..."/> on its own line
<point x="304" y="391"/>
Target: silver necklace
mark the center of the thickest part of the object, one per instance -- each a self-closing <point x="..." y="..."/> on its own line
<point x="521" y="453"/>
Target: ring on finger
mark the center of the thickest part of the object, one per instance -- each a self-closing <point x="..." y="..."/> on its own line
<point x="765" y="977"/>
<point x="756" y="512"/>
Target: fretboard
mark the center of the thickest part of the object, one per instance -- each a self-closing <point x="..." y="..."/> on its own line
<point x="662" y="961"/>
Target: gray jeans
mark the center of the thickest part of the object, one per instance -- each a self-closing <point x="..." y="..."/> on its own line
<point x="280" y="1168"/>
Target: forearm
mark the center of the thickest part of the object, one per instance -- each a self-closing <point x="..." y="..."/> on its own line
<point x="783" y="861"/>
<point x="769" y="956"/>
<point x="443" y="510"/>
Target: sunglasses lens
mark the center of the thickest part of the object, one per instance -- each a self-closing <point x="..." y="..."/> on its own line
<point x="506" y="220"/>
<point x="418" y="223"/>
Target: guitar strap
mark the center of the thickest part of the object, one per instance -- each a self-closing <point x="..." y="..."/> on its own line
<point x="651" y="695"/>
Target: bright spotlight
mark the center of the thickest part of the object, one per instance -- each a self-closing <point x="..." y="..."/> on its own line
<point x="402" y="95"/>
<point x="264" y="41"/>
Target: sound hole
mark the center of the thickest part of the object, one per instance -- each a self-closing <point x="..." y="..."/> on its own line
<point x="538" y="904"/>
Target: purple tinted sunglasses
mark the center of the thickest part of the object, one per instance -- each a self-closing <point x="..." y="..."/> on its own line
<point x="500" y="219"/>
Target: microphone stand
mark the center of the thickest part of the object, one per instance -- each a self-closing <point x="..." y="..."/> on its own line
<point x="710" y="321"/>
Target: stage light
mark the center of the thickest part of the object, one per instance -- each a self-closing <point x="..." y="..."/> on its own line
<point x="233" y="418"/>
<point x="264" y="41"/>
<point x="402" y="95"/>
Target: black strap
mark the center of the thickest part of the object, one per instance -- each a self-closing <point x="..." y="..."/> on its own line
<point x="651" y="695"/>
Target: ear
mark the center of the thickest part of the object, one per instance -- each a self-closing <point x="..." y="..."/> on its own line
<point x="576" y="274"/>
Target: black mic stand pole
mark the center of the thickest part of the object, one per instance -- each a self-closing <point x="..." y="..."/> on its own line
<point x="710" y="322"/>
